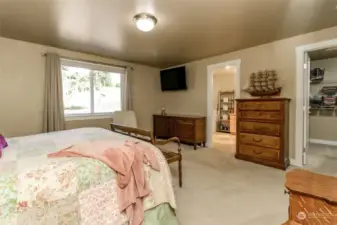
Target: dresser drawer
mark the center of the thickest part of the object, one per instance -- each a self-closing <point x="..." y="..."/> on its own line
<point x="259" y="152"/>
<point x="260" y="140"/>
<point x="261" y="105"/>
<point x="260" y="128"/>
<point x="183" y="129"/>
<point x="261" y="115"/>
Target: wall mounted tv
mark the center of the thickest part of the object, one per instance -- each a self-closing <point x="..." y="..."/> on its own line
<point x="173" y="79"/>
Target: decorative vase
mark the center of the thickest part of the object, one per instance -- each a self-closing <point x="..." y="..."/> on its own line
<point x="163" y="111"/>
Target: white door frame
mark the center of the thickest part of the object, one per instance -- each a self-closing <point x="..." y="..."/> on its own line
<point x="210" y="69"/>
<point x="299" y="130"/>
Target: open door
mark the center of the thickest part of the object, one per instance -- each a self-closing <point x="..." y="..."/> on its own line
<point x="306" y="106"/>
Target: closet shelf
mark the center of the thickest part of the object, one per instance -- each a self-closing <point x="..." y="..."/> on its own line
<point x="323" y="108"/>
<point x="225" y="106"/>
<point x="323" y="82"/>
<point x="224" y="131"/>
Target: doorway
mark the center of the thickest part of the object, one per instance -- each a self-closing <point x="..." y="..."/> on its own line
<point x="223" y="87"/>
<point x="322" y="149"/>
<point x="316" y="134"/>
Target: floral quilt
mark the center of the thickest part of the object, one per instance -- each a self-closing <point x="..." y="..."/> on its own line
<point x="38" y="190"/>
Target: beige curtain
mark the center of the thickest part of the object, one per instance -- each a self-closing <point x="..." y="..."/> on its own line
<point x="53" y="119"/>
<point x="126" y="91"/>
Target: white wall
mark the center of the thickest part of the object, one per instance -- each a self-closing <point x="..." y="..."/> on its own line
<point x="323" y="124"/>
<point x="279" y="55"/>
<point x="22" y="88"/>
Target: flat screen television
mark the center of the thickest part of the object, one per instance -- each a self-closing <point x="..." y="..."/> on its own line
<point x="173" y="79"/>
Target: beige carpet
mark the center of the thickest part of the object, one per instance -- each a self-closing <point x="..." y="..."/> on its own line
<point x="220" y="190"/>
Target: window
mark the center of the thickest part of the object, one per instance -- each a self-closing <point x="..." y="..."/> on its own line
<point x="91" y="89"/>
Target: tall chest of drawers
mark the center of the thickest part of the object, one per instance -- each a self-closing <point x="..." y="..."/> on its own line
<point x="262" y="131"/>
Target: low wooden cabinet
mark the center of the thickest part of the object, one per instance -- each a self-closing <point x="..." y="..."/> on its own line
<point x="262" y="131"/>
<point x="161" y="127"/>
<point x="189" y="129"/>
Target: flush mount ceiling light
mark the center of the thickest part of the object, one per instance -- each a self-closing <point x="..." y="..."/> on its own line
<point x="145" y="22"/>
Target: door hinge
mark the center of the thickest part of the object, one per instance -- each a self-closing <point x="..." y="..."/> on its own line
<point x="305" y="66"/>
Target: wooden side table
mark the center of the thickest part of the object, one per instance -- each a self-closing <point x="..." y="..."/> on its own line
<point x="312" y="198"/>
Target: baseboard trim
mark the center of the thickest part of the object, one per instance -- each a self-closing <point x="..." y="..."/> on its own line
<point x="324" y="142"/>
<point x="294" y="162"/>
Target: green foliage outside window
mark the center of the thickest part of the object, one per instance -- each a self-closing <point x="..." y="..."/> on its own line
<point x="81" y="83"/>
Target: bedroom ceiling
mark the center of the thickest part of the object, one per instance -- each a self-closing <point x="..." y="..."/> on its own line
<point x="187" y="30"/>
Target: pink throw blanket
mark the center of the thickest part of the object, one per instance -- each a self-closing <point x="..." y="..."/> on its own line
<point x="126" y="158"/>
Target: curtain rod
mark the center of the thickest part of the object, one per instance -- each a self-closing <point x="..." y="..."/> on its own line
<point x="93" y="62"/>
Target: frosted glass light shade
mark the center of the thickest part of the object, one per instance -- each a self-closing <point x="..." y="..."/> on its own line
<point x="145" y="22"/>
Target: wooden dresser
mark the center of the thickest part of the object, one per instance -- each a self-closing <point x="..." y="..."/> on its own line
<point x="262" y="131"/>
<point x="189" y="129"/>
<point x="312" y="198"/>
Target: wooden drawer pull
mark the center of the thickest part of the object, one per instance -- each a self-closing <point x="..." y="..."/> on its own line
<point x="257" y="152"/>
<point x="257" y="140"/>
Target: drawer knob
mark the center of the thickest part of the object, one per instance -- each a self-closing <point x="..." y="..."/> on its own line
<point x="257" y="140"/>
<point x="257" y="152"/>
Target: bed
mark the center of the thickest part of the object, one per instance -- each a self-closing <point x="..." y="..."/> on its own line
<point x="37" y="190"/>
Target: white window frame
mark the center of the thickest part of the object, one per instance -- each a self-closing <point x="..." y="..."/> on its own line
<point x="93" y="66"/>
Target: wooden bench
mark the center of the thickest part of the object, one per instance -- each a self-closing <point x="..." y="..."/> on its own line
<point x="146" y="135"/>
